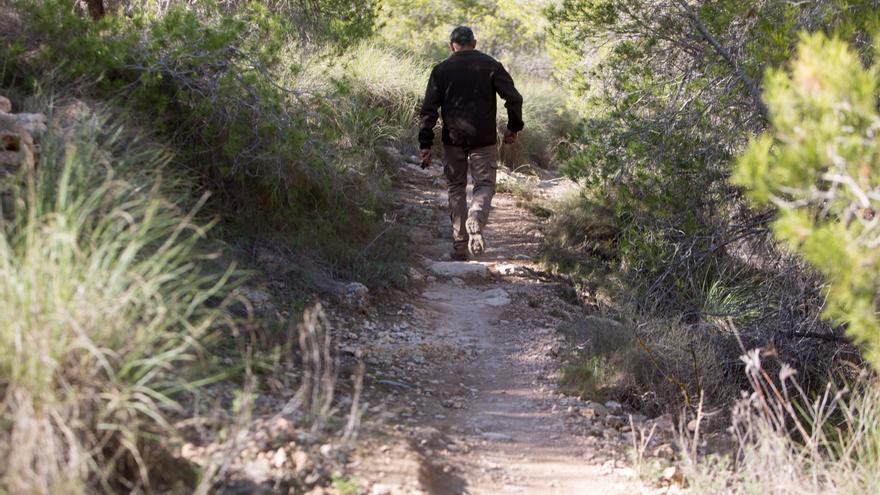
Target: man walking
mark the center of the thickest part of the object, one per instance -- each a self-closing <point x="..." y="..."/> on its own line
<point x="463" y="87"/>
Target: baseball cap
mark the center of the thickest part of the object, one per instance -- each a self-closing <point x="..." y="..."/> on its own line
<point x="462" y="35"/>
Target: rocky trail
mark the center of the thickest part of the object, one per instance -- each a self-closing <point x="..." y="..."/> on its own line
<point x="462" y="389"/>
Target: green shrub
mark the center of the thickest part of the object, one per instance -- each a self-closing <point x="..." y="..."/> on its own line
<point x="505" y="28"/>
<point x="648" y="365"/>
<point x="278" y="131"/>
<point x="105" y="313"/>
<point x="819" y="165"/>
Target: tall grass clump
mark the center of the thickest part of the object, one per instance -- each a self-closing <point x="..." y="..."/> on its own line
<point x="646" y="365"/>
<point x="548" y="118"/>
<point x="791" y="442"/>
<point x="373" y="93"/>
<point x="106" y="308"/>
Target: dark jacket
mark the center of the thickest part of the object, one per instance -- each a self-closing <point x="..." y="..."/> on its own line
<point x="464" y="86"/>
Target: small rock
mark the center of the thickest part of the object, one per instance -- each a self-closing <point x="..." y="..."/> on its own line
<point x="257" y="470"/>
<point x="595" y="409"/>
<point x="510" y="270"/>
<point x="522" y="257"/>
<point x="34" y="123"/>
<point x="614" y="406"/>
<point x="664" y="451"/>
<point x="260" y="300"/>
<point x="16" y="146"/>
<point x="664" y="423"/>
<point x="457" y="282"/>
<point x="282" y="429"/>
<point x="356" y="296"/>
<point x="69" y="116"/>
<point x="279" y="458"/>
<point x="302" y="463"/>
<point x="379" y="489"/>
<point x="460" y="269"/>
<point x="615" y="422"/>
<point x="415" y="276"/>
<point x="638" y="418"/>
<point x="674" y="474"/>
<point x="692" y="425"/>
<point x="495" y="297"/>
<point x="5" y="105"/>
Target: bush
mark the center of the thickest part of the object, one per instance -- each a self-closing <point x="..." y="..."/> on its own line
<point x="646" y="365"/>
<point x="671" y="95"/>
<point x="106" y="312"/>
<point x="819" y="166"/>
<point x="278" y="131"/>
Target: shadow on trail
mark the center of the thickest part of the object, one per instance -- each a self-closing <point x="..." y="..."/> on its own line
<point x="435" y="477"/>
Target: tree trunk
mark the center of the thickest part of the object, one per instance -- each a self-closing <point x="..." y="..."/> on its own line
<point x="96" y="8"/>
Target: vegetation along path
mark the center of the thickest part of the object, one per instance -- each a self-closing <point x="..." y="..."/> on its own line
<point x="469" y="365"/>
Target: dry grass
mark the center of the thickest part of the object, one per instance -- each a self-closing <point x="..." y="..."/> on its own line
<point x="105" y="310"/>
<point x="647" y="364"/>
<point x="791" y="442"/>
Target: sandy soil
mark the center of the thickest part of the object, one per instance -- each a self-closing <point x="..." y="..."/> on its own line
<point x="468" y="369"/>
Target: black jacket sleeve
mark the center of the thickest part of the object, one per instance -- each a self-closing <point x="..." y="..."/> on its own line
<point x="429" y="113"/>
<point x="512" y="99"/>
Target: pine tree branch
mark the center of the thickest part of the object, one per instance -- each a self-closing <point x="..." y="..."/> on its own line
<point x="744" y="78"/>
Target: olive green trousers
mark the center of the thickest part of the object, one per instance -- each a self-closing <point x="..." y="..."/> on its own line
<point x="483" y="165"/>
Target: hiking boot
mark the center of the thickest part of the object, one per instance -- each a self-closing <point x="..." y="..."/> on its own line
<point x="476" y="245"/>
<point x="459" y="252"/>
<point x="458" y="256"/>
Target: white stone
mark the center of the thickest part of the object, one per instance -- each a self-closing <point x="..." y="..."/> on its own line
<point x="460" y="269"/>
<point x="614" y="406"/>
<point x="379" y="489"/>
<point x="34" y="123"/>
<point x="258" y="470"/>
<point x="279" y="458"/>
<point x="510" y="269"/>
<point x="495" y="297"/>
<point x="356" y="296"/>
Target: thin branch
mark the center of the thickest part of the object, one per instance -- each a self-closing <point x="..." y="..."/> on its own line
<point x="750" y="86"/>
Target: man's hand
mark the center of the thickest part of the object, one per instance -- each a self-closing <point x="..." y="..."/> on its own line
<point x="510" y="137"/>
<point x="425" y="155"/>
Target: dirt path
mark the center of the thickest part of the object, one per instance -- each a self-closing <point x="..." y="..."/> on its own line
<point x="466" y="370"/>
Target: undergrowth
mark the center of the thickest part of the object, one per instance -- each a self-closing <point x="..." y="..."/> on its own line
<point x="108" y="308"/>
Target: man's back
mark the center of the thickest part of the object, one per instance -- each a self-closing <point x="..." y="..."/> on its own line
<point x="464" y="87"/>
